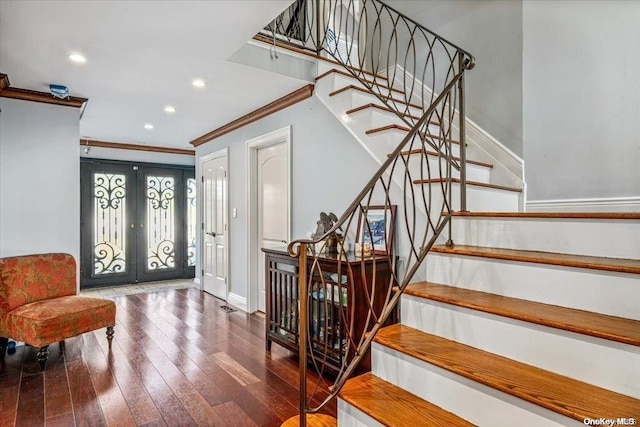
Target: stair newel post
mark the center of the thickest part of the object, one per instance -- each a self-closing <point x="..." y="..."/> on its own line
<point x="302" y="331"/>
<point x="463" y="141"/>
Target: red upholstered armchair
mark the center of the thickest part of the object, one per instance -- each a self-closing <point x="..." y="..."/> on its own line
<point x="39" y="305"/>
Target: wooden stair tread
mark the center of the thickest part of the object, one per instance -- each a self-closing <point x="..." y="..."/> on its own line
<point x="434" y="154"/>
<point x="552" y="215"/>
<point x="552" y="258"/>
<point x="566" y="396"/>
<point x="392" y="406"/>
<point x="377" y="107"/>
<point x="402" y="128"/>
<point x="380" y="107"/>
<point x="473" y="183"/>
<point x="313" y="420"/>
<point x="583" y="322"/>
<point x="375" y="81"/>
<point x="406" y="129"/>
<point x="359" y="89"/>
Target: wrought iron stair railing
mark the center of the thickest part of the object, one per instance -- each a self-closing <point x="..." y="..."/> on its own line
<point x="405" y="206"/>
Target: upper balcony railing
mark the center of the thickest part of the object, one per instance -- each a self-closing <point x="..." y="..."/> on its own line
<point x="407" y="203"/>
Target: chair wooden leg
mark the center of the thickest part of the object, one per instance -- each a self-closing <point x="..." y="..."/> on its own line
<point x="42" y="355"/>
<point x="3" y="348"/>
<point x="110" y="335"/>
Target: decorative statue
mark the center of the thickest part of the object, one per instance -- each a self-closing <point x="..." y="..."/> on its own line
<point x="324" y="225"/>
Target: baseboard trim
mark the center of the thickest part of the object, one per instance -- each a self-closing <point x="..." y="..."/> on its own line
<point x="603" y="204"/>
<point x="237" y="301"/>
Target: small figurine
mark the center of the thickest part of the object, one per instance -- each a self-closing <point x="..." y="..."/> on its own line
<point x="325" y="224"/>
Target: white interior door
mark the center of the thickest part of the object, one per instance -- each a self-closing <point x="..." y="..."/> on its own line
<point x="215" y="250"/>
<point x="273" y="205"/>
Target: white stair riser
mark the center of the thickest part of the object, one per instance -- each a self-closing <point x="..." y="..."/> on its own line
<point x="476" y="403"/>
<point x="339" y="81"/>
<point x="606" y="238"/>
<point x="603" y="292"/>
<point x="350" y="416"/>
<point x="438" y="168"/>
<point x="394" y="137"/>
<point x="380" y="118"/>
<point x="338" y="104"/>
<point x="478" y="198"/>
<point x="381" y="147"/>
<point x="359" y="98"/>
<point x="385" y="142"/>
<point x="566" y="353"/>
<point x="483" y="199"/>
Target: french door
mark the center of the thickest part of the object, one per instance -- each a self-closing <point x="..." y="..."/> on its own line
<point x="138" y="223"/>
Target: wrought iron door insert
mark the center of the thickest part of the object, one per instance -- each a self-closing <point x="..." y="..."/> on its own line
<point x="138" y="223"/>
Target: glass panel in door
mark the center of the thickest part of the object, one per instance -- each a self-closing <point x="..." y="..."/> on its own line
<point x="161" y="218"/>
<point x="191" y="222"/>
<point x="160" y="222"/>
<point x="107" y="230"/>
<point x="110" y="253"/>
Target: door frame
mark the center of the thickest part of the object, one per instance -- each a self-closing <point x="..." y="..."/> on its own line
<point x="278" y="136"/>
<point x="224" y="152"/>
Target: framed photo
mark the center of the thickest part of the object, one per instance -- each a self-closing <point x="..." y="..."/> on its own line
<point x="375" y="227"/>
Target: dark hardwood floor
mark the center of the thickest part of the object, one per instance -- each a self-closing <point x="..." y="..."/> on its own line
<point x="177" y="360"/>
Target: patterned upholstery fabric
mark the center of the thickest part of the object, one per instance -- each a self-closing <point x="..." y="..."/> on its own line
<point x="38" y="304"/>
<point x="32" y="278"/>
<point x="44" y="322"/>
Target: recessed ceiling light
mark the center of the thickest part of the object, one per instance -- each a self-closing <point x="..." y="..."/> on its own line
<point x="76" y="57"/>
<point x="198" y="83"/>
<point x="169" y="109"/>
<point x="148" y="126"/>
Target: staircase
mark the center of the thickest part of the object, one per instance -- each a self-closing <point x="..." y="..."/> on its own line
<point x="379" y="129"/>
<point x="528" y="320"/>
<point x="522" y="319"/>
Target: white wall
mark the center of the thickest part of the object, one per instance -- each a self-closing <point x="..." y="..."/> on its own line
<point x="491" y="30"/>
<point x="39" y="178"/>
<point x="329" y="168"/>
<point x="581" y="103"/>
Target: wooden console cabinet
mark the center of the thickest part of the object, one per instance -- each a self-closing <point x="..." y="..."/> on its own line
<point x="333" y="303"/>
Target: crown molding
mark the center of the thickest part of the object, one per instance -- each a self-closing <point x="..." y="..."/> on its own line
<point x="136" y="147"/>
<point x="264" y="111"/>
<point x="4" y="82"/>
<point x="43" y="97"/>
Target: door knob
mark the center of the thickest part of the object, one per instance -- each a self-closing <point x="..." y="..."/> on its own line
<point x="211" y="233"/>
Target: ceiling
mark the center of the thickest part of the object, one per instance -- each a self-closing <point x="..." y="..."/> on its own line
<point x="141" y="57"/>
